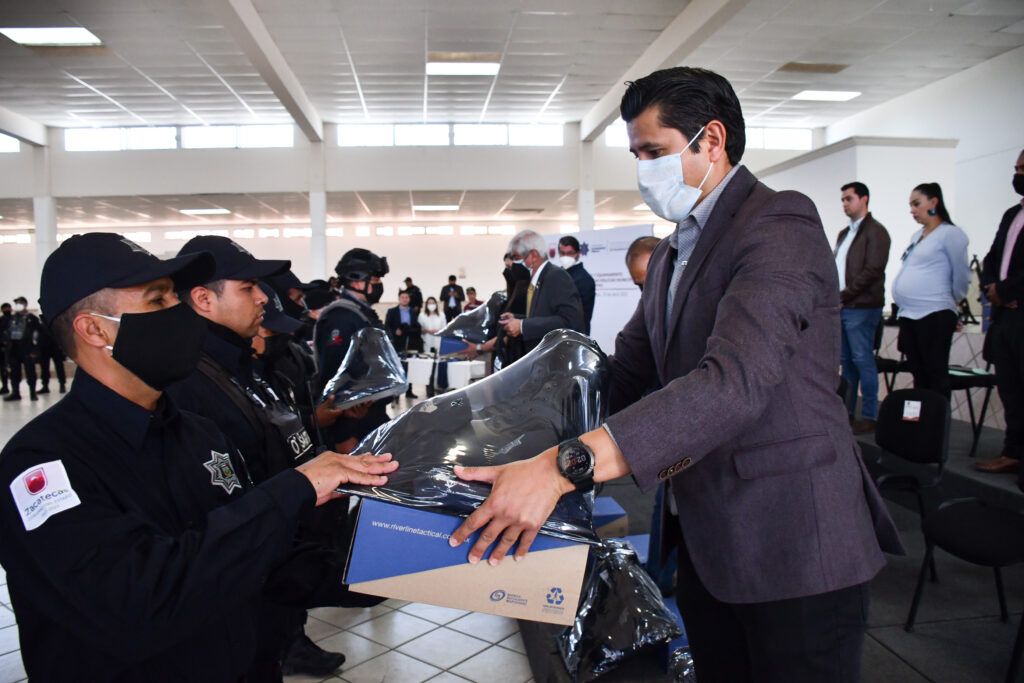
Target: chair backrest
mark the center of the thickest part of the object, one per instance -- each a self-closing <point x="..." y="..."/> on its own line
<point x="913" y="424"/>
<point x="879" y="330"/>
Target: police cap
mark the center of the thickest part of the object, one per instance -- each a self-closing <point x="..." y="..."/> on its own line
<point x="233" y="261"/>
<point x="274" y="317"/>
<point x="361" y="264"/>
<point x="85" y="264"/>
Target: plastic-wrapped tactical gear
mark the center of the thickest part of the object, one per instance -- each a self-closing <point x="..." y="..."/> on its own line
<point x="555" y="392"/>
<point x="620" y="613"/>
<point x="478" y="325"/>
<point x="370" y="370"/>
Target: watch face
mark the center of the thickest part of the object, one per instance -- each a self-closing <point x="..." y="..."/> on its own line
<point x="576" y="461"/>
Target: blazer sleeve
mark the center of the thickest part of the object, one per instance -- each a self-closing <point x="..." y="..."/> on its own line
<point x="781" y="272"/>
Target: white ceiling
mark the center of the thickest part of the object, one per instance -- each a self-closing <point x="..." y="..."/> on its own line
<point x="173" y="62"/>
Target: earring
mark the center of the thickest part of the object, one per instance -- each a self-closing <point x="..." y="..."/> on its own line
<point x="932" y="212"/>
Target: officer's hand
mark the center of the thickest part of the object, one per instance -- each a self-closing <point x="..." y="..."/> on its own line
<point x="359" y="411"/>
<point x="470" y="351"/>
<point x="326" y="413"/>
<point x="329" y="470"/>
<point x="522" y="497"/>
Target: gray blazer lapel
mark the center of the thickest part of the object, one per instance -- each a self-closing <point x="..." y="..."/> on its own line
<point x="718" y="224"/>
<point x="655" y="289"/>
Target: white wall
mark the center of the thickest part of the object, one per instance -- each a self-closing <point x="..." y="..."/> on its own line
<point x="982" y="108"/>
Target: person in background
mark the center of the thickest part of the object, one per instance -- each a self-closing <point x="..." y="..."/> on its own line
<point x="49" y="351"/>
<point x="452" y="296"/>
<point x="552" y="301"/>
<point x="1002" y="279"/>
<point x="933" y="278"/>
<point x="431" y="322"/>
<point x="862" y="252"/>
<point x="291" y="293"/>
<point x="569" y="259"/>
<point x="20" y="349"/>
<point x="471" y="300"/>
<point x="637" y="256"/>
<point x="415" y="295"/>
<point x="5" y="319"/>
<point x="403" y="325"/>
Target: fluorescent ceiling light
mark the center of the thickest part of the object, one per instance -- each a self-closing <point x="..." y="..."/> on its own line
<point x="69" y="35"/>
<point x="641" y="207"/>
<point x="203" y="212"/>
<point x="435" y="207"/>
<point x="463" y="68"/>
<point x="826" y="95"/>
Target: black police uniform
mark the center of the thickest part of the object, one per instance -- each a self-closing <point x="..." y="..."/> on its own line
<point x="20" y="345"/>
<point x="5" y="320"/>
<point x="337" y="325"/>
<point x="290" y="372"/>
<point x="49" y="351"/>
<point x="157" y="573"/>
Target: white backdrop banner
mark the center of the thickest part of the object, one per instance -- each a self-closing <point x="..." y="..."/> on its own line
<point x="603" y="254"/>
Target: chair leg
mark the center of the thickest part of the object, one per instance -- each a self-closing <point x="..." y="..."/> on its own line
<point x="1003" y="612"/>
<point x="933" y="575"/>
<point x="981" y="421"/>
<point x="912" y="616"/>
<point x="1018" y="644"/>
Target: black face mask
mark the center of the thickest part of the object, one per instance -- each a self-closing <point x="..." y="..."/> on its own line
<point x="161" y="347"/>
<point x="374" y="292"/>
<point x="275" y="347"/>
<point x="1018" y="183"/>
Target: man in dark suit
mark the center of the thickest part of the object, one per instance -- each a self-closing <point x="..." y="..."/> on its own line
<point x="737" y="331"/>
<point x="1002" y="278"/>
<point x="552" y="301"/>
<point x="402" y="325"/>
<point x="862" y="251"/>
<point x="451" y="298"/>
<point x="415" y="295"/>
<point x="569" y="259"/>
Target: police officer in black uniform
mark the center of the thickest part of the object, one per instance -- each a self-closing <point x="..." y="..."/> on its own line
<point x="269" y="433"/>
<point x="360" y="272"/>
<point x="131" y="552"/>
<point x="49" y="351"/>
<point x="5" y="319"/>
<point x="20" y="347"/>
<point x="292" y="293"/>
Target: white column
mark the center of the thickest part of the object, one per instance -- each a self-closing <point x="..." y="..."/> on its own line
<point x="585" y="196"/>
<point x="317" y="212"/>
<point x="44" y="206"/>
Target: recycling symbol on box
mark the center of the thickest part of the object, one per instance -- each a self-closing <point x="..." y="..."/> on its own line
<point x="555" y="596"/>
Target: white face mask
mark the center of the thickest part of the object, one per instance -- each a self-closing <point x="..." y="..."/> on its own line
<point x="567" y="261"/>
<point x="431" y="307"/>
<point x="663" y="188"/>
<point x="19" y="307"/>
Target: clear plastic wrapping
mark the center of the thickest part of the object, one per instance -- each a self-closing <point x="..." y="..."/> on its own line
<point x="620" y="613"/>
<point x="370" y="370"/>
<point x="478" y="325"/>
<point x="555" y="392"/>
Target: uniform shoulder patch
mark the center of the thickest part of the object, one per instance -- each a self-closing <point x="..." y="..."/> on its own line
<point x="222" y="473"/>
<point x="42" y="491"/>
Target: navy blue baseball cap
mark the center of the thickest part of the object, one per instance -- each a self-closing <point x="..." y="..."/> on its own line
<point x="85" y="264"/>
<point x="274" y="317"/>
<point x="233" y="261"/>
<point x="282" y="282"/>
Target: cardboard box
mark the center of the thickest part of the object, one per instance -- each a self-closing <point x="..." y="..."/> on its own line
<point x="401" y="552"/>
<point x="610" y="519"/>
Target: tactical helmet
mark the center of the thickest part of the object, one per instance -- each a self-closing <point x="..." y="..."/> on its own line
<point x="361" y="264"/>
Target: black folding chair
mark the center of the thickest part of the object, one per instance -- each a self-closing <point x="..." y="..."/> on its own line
<point x="966" y="379"/>
<point x="888" y="367"/>
<point x="982" y="534"/>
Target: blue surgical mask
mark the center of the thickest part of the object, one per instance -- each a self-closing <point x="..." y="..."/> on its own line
<point x="663" y="188"/>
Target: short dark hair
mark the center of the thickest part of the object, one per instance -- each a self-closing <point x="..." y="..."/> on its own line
<point x="687" y="99"/>
<point x="452" y="277"/>
<point x="641" y="246"/>
<point x="570" y="241"/>
<point x="217" y="287"/>
<point x="63" y="328"/>
<point x="471" y="290"/>
<point x="933" y="191"/>
<point x="858" y="187"/>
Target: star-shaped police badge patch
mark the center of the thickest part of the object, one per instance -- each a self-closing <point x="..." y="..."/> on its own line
<point x="222" y="474"/>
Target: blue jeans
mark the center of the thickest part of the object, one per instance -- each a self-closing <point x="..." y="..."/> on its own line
<point x="858" y="359"/>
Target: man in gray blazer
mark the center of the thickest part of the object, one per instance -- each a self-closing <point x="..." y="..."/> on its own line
<point x="780" y="527"/>
<point x="552" y="301"/>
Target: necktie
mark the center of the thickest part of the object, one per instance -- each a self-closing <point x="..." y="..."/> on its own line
<point x="687" y="236"/>
<point x="529" y="299"/>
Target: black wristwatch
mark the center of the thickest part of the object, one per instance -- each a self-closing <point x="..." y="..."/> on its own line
<point x="576" y="463"/>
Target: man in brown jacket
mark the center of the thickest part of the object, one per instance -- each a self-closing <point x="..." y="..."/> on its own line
<point x="862" y="251"/>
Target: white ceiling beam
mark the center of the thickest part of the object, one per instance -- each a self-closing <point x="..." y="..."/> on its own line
<point x="693" y="26"/>
<point x="244" y="24"/>
<point x="22" y="127"/>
